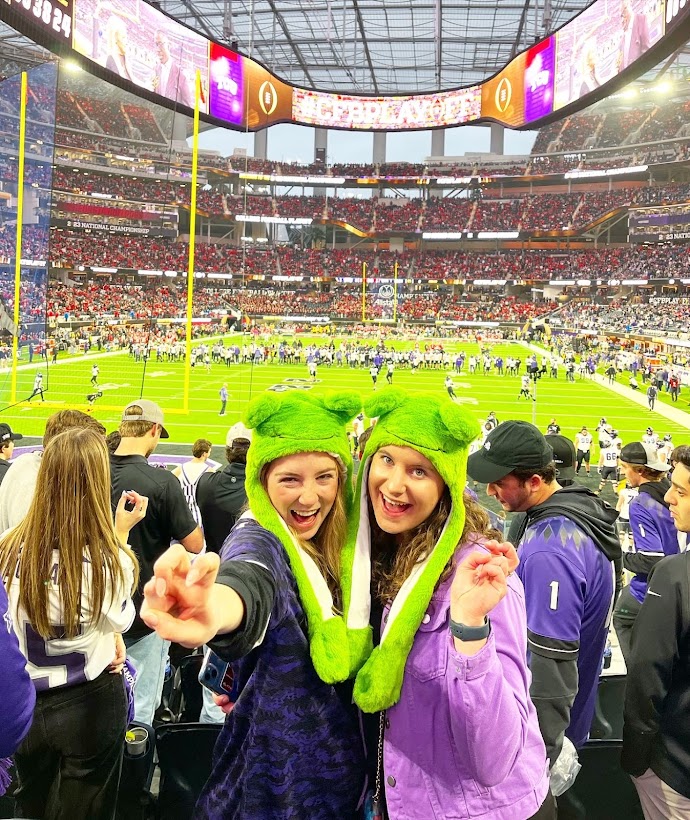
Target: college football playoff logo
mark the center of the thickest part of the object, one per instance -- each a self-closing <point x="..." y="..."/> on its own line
<point x="268" y="97"/>
<point x="504" y="94"/>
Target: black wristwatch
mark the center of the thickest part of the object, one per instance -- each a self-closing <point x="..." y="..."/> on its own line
<point x="470" y="633"/>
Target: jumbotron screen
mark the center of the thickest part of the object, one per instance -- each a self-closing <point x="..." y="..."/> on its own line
<point x="139" y="45"/>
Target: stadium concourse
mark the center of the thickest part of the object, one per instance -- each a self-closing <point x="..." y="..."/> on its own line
<point x="540" y="297"/>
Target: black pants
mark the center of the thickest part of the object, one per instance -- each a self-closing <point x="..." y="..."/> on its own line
<point x="69" y="764"/>
<point x="624" y="614"/>
<point x="547" y="810"/>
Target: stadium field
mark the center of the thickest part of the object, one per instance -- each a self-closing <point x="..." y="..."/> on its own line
<point x="121" y="379"/>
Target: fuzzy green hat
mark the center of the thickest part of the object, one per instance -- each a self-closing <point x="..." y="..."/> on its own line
<point x="442" y="431"/>
<point x="285" y="424"/>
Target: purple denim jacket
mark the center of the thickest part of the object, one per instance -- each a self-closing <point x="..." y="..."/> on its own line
<point x="463" y="740"/>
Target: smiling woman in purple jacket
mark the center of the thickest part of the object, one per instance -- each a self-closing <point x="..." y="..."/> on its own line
<point x="451" y="731"/>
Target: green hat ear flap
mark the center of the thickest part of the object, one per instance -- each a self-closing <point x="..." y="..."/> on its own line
<point x="460" y="425"/>
<point x="392" y="398"/>
<point x="261" y="408"/>
<point x="344" y="403"/>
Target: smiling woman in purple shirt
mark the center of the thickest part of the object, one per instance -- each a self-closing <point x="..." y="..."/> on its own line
<point x="450" y="728"/>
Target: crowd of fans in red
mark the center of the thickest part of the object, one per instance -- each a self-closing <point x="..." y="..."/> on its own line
<point x="72" y="251"/>
<point x="537" y="212"/>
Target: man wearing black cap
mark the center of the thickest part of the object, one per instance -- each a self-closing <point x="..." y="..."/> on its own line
<point x="7" y="439"/>
<point x="567" y="546"/>
<point x="653" y="531"/>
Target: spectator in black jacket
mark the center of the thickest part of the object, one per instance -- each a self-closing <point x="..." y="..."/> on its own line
<point x="7" y="439"/>
<point x="656" y="733"/>
<point x="220" y="496"/>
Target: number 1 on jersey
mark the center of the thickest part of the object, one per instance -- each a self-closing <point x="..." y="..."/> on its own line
<point x="554" y="595"/>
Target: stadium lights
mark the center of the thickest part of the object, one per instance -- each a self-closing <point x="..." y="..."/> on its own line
<point x="441" y="235"/>
<point x="453" y="180"/>
<point x="70" y="65"/>
<point x="498" y="234"/>
<point x="663" y="87"/>
<point x="274" y="220"/>
<point x="630" y="93"/>
<point x="605" y="172"/>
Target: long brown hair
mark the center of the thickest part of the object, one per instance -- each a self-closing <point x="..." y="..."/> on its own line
<point x="392" y="562"/>
<point x="71" y="513"/>
<point x="325" y="547"/>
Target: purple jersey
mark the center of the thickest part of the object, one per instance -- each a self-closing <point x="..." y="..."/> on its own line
<point x="569" y="591"/>
<point x="654" y="534"/>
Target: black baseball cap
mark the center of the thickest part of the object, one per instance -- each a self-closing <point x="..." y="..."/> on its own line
<point x="643" y="454"/>
<point x="513" y="445"/>
<point x="563" y="456"/>
<point x="6" y="434"/>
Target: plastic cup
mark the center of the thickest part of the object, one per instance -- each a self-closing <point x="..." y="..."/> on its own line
<point x="136" y="740"/>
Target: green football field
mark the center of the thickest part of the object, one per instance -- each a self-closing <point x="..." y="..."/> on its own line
<point x="122" y="379"/>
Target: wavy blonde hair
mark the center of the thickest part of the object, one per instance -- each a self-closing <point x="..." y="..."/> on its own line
<point x="71" y="513"/>
<point x="392" y="563"/>
<point x="325" y="547"/>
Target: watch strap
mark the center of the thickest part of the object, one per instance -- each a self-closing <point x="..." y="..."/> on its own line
<point x="470" y="633"/>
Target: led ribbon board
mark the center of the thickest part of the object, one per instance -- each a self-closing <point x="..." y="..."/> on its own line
<point x="137" y="46"/>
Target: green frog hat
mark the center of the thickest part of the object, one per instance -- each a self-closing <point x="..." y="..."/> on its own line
<point x="442" y="431"/>
<point x="285" y="424"/>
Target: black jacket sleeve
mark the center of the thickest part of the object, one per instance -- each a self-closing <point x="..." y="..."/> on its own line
<point x="641" y="563"/>
<point x="553" y="690"/>
<point x="256" y="586"/>
<point x="655" y="645"/>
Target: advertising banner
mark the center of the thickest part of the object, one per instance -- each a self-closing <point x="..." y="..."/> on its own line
<point x="661" y="224"/>
<point x="105" y="227"/>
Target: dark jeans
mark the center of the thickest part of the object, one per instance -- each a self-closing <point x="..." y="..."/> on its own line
<point x="69" y="764"/>
<point x="624" y="614"/>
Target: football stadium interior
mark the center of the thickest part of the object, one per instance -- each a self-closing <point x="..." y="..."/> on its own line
<point x="176" y="225"/>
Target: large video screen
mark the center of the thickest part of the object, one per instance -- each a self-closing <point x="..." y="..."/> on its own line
<point x="144" y="46"/>
<point x="604" y="40"/>
<point x="141" y="45"/>
<point x="386" y="113"/>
